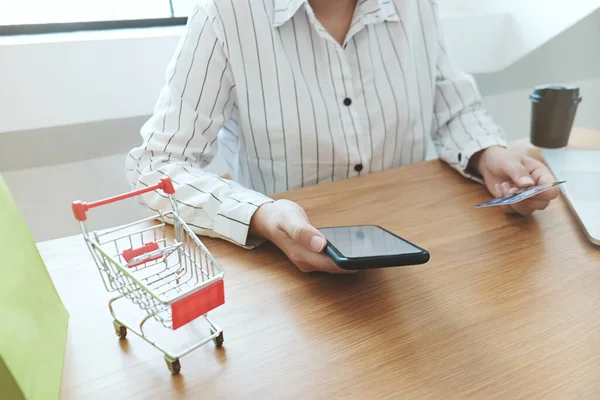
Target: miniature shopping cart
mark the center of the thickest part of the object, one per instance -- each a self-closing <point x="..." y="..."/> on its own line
<point x="171" y="277"/>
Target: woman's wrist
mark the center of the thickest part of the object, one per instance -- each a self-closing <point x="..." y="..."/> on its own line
<point x="259" y="221"/>
<point x="478" y="160"/>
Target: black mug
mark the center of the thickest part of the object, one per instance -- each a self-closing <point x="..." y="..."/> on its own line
<point x="552" y="115"/>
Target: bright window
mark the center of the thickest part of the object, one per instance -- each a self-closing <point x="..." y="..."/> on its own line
<point x="38" y="16"/>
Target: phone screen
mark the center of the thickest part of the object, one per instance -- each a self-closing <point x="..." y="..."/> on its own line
<point x="366" y="241"/>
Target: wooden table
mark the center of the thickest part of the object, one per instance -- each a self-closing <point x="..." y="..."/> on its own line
<point x="580" y="139"/>
<point x="507" y="308"/>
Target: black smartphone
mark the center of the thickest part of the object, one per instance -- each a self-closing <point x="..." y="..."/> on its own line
<point x="369" y="247"/>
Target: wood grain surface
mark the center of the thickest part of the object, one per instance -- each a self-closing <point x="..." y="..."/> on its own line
<point x="507" y="308"/>
<point x="581" y="138"/>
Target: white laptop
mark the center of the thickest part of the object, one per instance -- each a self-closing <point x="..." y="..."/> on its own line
<point x="581" y="170"/>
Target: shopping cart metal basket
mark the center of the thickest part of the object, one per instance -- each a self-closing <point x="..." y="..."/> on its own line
<point x="170" y="276"/>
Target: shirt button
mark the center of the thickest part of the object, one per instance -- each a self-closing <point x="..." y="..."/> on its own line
<point x="459" y="157"/>
<point x="347" y="101"/>
<point x="358" y="167"/>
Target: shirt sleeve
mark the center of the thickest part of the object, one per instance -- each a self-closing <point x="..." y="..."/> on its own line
<point x="462" y="126"/>
<point x="180" y="138"/>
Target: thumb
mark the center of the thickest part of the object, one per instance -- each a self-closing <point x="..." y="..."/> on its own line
<point x="297" y="227"/>
<point x="518" y="174"/>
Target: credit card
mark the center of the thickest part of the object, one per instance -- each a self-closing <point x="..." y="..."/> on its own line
<point x="519" y="196"/>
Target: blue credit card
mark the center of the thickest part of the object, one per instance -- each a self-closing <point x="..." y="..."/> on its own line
<point x="519" y="196"/>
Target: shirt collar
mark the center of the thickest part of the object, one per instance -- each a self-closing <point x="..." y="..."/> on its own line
<point x="285" y="10"/>
<point x="380" y="10"/>
<point x="387" y="11"/>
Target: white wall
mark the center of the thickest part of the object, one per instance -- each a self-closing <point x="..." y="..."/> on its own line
<point x="573" y="57"/>
<point x="30" y="159"/>
<point x="122" y="71"/>
<point x="44" y="195"/>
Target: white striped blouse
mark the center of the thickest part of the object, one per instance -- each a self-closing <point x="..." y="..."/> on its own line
<point x="262" y="82"/>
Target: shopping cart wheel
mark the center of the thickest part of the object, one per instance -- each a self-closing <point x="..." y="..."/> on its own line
<point x="219" y="339"/>
<point x="173" y="365"/>
<point x="120" y="330"/>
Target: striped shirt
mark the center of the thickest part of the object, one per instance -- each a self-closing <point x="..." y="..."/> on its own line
<point x="262" y="82"/>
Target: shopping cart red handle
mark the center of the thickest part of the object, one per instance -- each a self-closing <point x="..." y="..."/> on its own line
<point x="81" y="208"/>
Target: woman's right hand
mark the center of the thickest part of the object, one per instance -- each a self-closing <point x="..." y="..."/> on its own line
<point x="286" y="225"/>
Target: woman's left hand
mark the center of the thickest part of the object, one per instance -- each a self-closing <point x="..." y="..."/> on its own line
<point x="505" y="172"/>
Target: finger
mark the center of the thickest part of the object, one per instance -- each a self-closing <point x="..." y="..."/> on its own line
<point x="312" y="262"/>
<point x="518" y="173"/>
<point x="506" y="188"/>
<point x="543" y="176"/>
<point x="536" y="204"/>
<point x="548" y="195"/>
<point x="529" y="206"/>
<point x="297" y="227"/>
<point x="306" y="260"/>
<point x="508" y="210"/>
<point x="538" y="170"/>
<point x="522" y="209"/>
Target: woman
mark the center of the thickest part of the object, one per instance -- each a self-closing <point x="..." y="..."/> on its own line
<point x="301" y="92"/>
